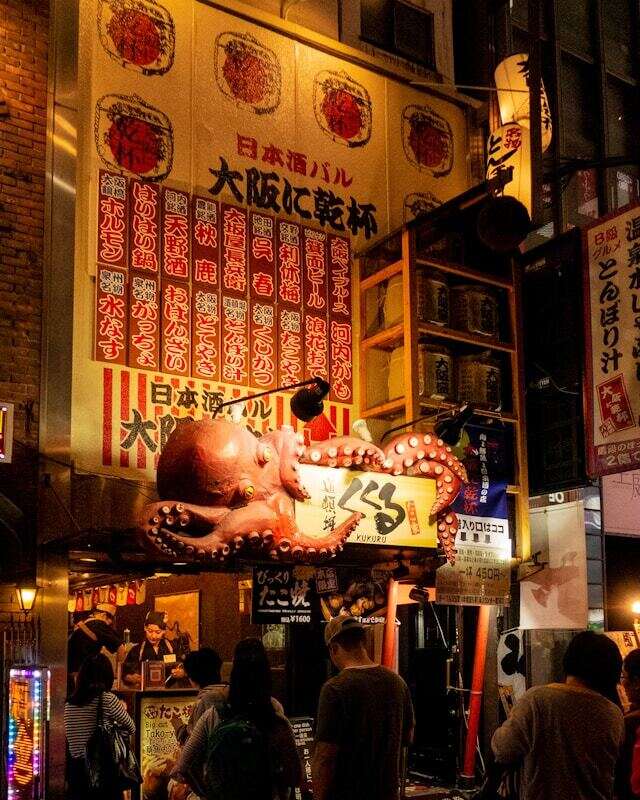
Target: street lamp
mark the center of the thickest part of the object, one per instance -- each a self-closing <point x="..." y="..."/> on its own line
<point x="26" y="597"/>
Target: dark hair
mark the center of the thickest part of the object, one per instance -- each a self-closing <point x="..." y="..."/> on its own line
<point x="594" y="659"/>
<point x="203" y="666"/>
<point x="94" y="677"/>
<point x="351" y="639"/>
<point x="250" y="683"/>
<point x="631" y="663"/>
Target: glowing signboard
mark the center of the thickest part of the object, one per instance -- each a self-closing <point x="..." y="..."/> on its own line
<point x="6" y="432"/>
<point x="28" y="714"/>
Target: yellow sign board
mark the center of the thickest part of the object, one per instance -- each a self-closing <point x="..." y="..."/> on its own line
<point x="396" y="509"/>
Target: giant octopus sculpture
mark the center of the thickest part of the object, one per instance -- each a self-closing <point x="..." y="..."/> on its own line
<point x="222" y="490"/>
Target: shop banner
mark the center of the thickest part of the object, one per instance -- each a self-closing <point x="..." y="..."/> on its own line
<point x="555" y="597"/>
<point x="621" y="503"/>
<point x="612" y="321"/>
<point x="396" y="509"/>
<point x="158" y="744"/>
<point x="283" y="595"/>
<point x="481" y="505"/>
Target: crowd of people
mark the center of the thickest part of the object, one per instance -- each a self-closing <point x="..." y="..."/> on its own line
<point x="562" y="740"/>
<point x="237" y="743"/>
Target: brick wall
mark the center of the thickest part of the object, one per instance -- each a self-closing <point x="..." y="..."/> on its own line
<point x="24" y="31"/>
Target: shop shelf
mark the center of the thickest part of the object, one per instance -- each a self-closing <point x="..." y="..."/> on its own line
<point x="386" y="338"/>
<point x="453" y="335"/>
<point x="383" y="274"/>
<point x="465" y="272"/>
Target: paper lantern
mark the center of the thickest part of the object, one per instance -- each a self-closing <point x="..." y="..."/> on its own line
<point x="512" y="82"/>
<point x="508" y="146"/>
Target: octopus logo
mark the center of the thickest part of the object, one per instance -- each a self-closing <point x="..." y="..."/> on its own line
<point x="247" y="72"/>
<point x="427" y="140"/>
<point x="134" y="136"/>
<point x="342" y="108"/>
<point x="139" y="34"/>
<point x="418" y="203"/>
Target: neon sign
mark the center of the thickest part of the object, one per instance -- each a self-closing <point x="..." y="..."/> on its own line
<point x="28" y="715"/>
<point x="6" y="432"/>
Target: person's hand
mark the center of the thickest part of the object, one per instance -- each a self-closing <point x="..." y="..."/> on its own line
<point x="176" y="721"/>
<point x="178" y="672"/>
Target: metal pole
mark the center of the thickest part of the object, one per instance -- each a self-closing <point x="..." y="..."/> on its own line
<point x="475" y="704"/>
<point x="389" y="641"/>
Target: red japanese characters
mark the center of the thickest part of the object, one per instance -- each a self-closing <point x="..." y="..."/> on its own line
<point x="205" y="241"/>
<point x="175" y="234"/>
<point x="289" y="264"/>
<point x="235" y="341"/>
<point x="234" y="250"/>
<point x="111" y="316"/>
<point x="176" y="328"/>
<point x="112" y="219"/>
<point x="145" y="226"/>
<point x="262" y="257"/>
<point x="206" y="334"/>
<point x="428" y="140"/>
<point x="144" y="323"/>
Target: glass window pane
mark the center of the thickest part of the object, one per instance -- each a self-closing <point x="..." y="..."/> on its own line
<point x="622" y="118"/>
<point x="581" y="198"/>
<point x="576" y="25"/>
<point x="578" y="108"/>
<point x="618" y="19"/>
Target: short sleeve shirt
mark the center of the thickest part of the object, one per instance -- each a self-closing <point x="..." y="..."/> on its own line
<point x="367" y="713"/>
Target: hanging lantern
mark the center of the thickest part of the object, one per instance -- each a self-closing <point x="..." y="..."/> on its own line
<point x="508" y="147"/>
<point x="512" y="82"/>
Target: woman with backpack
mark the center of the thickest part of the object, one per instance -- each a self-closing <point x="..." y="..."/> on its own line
<point x="91" y="697"/>
<point x="247" y="751"/>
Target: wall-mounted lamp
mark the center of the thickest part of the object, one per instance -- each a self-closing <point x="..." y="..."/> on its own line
<point x="306" y="403"/>
<point x="26" y="597"/>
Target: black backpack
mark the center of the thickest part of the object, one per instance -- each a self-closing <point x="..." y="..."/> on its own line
<point x="238" y="762"/>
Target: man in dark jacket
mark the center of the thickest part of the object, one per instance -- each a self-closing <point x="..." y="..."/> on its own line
<point x="631" y="684"/>
<point x="91" y="635"/>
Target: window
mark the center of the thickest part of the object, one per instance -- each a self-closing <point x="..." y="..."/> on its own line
<point x="578" y="108"/>
<point x="576" y="25"/>
<point x="400" y="28"/>
<point x="621" y="118"/>
<point x="618" y="20"/>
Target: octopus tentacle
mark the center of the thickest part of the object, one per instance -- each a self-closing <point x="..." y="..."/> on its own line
<point x="426" y="455"/>
<point x="447" y="531"/>
<point x="344" y="451"/>
<point x="289" y="447"/>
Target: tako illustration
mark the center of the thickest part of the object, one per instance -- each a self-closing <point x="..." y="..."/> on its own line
<point x="222" y="490"/>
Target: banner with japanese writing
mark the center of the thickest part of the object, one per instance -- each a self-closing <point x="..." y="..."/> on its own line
<point x="283" y="595"/>
<point x="481" y="505"/>
<point x="396" y="509"/>
<point x="612" y="321"/>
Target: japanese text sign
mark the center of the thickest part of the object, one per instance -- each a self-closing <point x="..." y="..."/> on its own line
<point x="144" y="236"/>
<point x="283" y="594"/>
<point x="396" y="509"/>
<point x="612" y="320"/>
<point x="303" y="735"/>
<point x="481" y="576"/>
<point x="111" y="315"/>
<point x="112" y="219"/>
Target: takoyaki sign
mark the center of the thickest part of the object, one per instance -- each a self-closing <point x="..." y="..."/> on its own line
<point x="396" y="509"/>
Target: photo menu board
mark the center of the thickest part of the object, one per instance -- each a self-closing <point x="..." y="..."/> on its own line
<point x="192" y="286"/>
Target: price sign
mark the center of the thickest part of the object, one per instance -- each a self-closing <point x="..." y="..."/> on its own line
<point x="480" y="577"/>
<point x="281" y="595"/>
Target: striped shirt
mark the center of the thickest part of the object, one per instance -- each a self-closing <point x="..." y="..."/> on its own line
<point x="80" y="721"/>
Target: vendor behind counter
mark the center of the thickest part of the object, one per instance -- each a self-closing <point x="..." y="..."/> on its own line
<point x="155" y="647"/>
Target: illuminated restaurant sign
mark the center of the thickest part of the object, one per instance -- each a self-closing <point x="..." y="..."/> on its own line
<point x="612" y="320"/>
<point x="28" y="714"/>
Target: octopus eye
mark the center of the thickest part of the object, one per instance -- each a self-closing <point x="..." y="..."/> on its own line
<point x="249" y="491"/>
